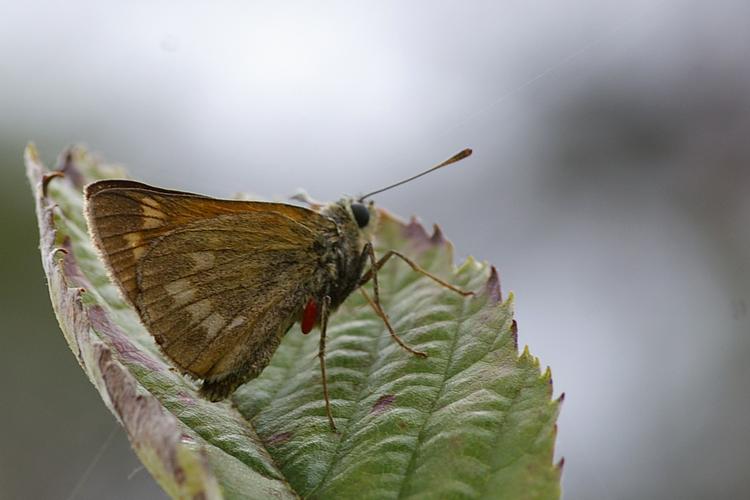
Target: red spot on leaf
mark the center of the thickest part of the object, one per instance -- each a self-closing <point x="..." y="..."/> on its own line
<point x="185" y="398"/>
<point x="280" y="438"/>
<point x="383" y="403"/>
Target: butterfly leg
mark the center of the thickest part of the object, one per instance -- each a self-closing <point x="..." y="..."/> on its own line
<point x="325" y="308"/>
<point x="379" y="311"/>
<point x="371" y="274"/>
<point x="375" y="304"/>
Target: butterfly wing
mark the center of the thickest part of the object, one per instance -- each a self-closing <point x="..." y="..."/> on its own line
<point x="216" y="282"/>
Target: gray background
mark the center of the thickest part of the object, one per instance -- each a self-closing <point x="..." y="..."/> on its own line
<point x="610" y="185"/>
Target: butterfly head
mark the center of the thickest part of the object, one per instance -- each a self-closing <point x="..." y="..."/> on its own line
<point x="362" y="213"/>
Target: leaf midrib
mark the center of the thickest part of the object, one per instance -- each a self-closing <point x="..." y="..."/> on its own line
<point x="420" y="437"/>
<point x="376" y="339"/>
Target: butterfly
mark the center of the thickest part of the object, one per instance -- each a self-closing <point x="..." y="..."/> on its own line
<point x="218" y="283"/>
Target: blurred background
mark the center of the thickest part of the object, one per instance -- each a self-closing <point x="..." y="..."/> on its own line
<point x="610" y="185"/>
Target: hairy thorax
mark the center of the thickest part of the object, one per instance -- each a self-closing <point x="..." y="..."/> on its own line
<point x="342" y="259"/>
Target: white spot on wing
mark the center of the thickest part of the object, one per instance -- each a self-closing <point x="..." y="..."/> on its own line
<point x="199" y="309"/>
<point x="152" y="216"/>
<point x="203" y="260"/>
<point x="181" y="291"/>
<point x="213" y="324"/>
<point x="236" y="322"/>
<point x="134" y="239"/>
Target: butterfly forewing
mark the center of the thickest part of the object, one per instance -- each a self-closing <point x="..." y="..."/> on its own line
<point x="217" y="282"/>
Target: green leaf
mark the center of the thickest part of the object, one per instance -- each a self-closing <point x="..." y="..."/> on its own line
<point x="472" y="420"/>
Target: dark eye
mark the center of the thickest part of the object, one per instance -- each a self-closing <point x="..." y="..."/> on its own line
<point x="361" y="214"/>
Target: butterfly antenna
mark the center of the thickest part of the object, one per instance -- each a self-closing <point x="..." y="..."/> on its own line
<point x="453" y="159"/>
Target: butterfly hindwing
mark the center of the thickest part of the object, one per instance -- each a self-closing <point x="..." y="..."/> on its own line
<point x="216" y="282"/>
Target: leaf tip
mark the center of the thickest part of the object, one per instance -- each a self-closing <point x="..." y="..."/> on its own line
<point x="547" y="377"/>
<point x="414" y="229"/>
<point x="527" y="357"/>
<point x="67" y="164"/>
<point x="514" y="331"/>
<point x="437" y="237"/>
<point x="526" y="354"/>
<point x="492" y="286"/>
<point x="31" y="153"/>
<point x="417" y="234"/>
<point x="47" y="177"/>
<point x="57" y="250"/>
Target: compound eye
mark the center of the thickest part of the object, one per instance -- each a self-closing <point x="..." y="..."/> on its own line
<point x="361" y="214"/>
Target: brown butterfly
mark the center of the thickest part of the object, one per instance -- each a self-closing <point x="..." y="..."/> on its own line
<point x="219" y="282"/>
